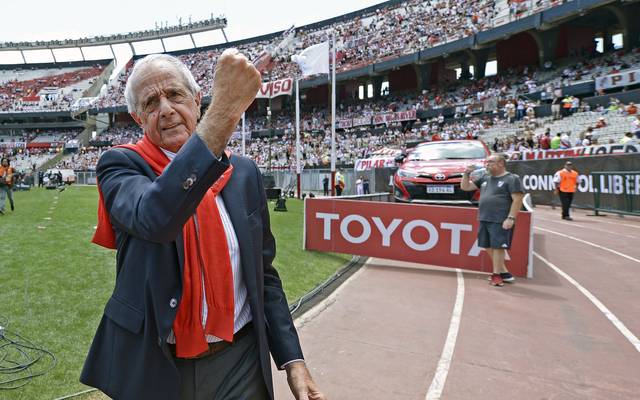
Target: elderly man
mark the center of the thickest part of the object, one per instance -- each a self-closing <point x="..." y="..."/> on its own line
<point x="197" y="304"/>
<point x="500" y="200"/>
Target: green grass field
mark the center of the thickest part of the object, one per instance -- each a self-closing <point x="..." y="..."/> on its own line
<point x="54" y="282"/>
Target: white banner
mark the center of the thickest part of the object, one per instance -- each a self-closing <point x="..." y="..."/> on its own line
<point x="596" y="150"/>
<point x="624" y="78"/>
<point x="275" y="88"/>
<point x="362" y="121"/>
<point x="377" y="119"/>
<point x="12" y="145"/>
<point x="367" y="164"/>
<point x="382" y="158"/>
<point x="394" y="117"/>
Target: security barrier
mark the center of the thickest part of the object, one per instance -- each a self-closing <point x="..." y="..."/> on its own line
<point x="616" y="192"/>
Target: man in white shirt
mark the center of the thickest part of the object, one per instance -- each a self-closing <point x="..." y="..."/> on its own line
<point x="195" y="285"/>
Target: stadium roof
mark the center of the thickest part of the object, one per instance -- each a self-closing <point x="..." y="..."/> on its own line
<point x="159" y="33"/>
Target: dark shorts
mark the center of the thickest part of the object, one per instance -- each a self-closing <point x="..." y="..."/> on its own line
<point x="491" y="235"/>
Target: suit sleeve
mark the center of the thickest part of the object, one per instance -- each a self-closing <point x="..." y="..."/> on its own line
<point x="284" y="343"/>
<point x="156" y="209"/>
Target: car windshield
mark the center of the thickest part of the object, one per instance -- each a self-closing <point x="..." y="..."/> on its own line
<point x="448" y="151"/>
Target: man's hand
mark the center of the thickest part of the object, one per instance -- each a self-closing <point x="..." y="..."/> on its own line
<point x="465" y="183"/>
<point x="470" y="169"/>
<point x="302" y="385"/>
<point x="507" y="224"/>
<point x="235" y="86"/>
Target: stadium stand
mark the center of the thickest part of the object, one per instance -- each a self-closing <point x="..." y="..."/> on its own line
<point x="44" y="89"/>
<point x="387" y="32"/>
<point x="510" y="110"/>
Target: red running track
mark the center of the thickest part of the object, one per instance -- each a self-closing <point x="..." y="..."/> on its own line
<point x="381" y="335"/>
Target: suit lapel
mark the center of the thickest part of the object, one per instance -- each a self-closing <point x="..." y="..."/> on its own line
<point x="236" y="205"/>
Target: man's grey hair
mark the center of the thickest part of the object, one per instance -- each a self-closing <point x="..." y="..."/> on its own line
<point x="131" y="96"/>
<point x="500" y="157"/>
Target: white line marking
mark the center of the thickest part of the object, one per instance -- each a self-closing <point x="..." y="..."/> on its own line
<point x="610" y="316"/>
<point x="617" y="223"/>
<point x="587" y="227"/>
<point x="590" y="244"/>
<point x="549" y="211"/>
<point x="440" y="377"/>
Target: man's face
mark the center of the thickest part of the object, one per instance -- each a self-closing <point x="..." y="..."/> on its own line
<point x="5" y="163"/>
<point x="569" y="166"/>
<point x="495" y="166"/>
<point x="166" y="109"/>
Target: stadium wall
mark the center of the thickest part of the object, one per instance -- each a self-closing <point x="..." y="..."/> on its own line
<point x="521" y="49"/>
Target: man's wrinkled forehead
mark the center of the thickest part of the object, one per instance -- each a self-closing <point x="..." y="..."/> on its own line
<point x="159" y="69"/>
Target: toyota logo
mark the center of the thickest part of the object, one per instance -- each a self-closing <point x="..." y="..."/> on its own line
<point x="440" y="177"/>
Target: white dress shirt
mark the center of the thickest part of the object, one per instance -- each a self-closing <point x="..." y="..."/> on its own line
<point x="242" y="310"/>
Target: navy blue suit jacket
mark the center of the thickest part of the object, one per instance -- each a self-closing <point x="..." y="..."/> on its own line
<point x="129" y="357"/>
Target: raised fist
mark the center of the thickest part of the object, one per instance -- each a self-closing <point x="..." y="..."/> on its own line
<point x="235" y="84"/>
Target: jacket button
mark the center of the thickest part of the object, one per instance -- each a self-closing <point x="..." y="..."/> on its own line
<point x="173" y="303"/>
<point x="188" y="183"/>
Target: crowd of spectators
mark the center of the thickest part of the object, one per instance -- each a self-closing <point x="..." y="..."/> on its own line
<point x="27" y="95"/>
<point x="374" y="36"/>
<point x="26" y="136"/>
<point x="85" y="159"/>
<point x="468" y="96"/>
<point x="117" y="135"/>
<point x="481" y="105"/>
<point x="589" y="68"/>
<point x="536" y="135"/>
<point x="278" y="151"/>
<point x="27" y="160"/>
<point x="401" y="29"/>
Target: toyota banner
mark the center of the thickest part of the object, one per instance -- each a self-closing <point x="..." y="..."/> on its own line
<point x="427" y="234"/>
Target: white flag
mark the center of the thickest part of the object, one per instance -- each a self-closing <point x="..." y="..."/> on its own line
<point x="314" y="59"/>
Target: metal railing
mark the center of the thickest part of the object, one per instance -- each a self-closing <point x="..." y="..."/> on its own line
<point x="85" y="177"/>
<point x="616" y="192"/>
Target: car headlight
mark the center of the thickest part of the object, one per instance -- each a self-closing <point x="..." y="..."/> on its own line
<point x="406" y="174"/>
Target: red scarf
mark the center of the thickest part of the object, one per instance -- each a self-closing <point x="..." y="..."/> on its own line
<point x="203" y="246"/>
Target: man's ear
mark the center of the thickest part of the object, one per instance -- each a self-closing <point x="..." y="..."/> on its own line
<point x="198" y="100"/>
<point x="136" y="118"/>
